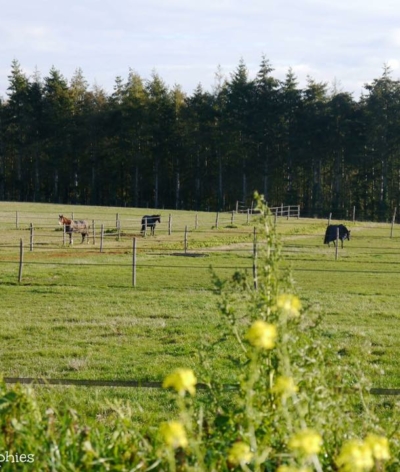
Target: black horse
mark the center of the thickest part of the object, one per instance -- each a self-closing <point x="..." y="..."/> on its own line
<point x="149" y="222"/>
<point x="332" y="231"/>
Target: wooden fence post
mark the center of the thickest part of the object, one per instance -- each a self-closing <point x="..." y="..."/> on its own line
<point x="169" y="224"/>
<point x="354" y="214"/>
<point x="21" y="259"/>
<point x="237" y="206"/>
<point x="94" y="231"/>
<point x="232" y="217"/>
<point x="101" y="237"/>
<point x="329" y="219"/>
<point x="248" y="216"/>
<point x="116" y="220"/>
<point x="186" y="239"/>
<point x="216" y="220"/>
<point x="255" y="259"/>
<point x="31" y="238"/>
<point x="393" y="219"/>
<point x="281" y="209"/>
<point x="134" y="263"/>
<point x="118" y="230"/>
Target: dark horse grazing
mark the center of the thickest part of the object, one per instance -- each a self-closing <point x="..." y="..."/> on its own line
<point x="149" y="221"/>
<point x="74" y="226"/>
<point x="331" y="234"/>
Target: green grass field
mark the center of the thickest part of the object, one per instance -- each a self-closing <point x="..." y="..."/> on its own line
<point x="76" y="315"/>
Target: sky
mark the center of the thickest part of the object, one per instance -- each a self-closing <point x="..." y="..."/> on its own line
<point x="345" y="43"/>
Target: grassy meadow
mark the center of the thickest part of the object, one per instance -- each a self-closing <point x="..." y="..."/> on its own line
<point x="76" y="315"/>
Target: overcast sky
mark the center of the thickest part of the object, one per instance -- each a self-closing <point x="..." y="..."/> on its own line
<point x="185" y="41"/>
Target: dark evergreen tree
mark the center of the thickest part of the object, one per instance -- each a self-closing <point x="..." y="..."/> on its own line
<point x="344" y="147"/>
<point x="200" y="147"/>
<point x="241" y="99"/>
<point x="290" y="145"/>
<point x="57" y="112"/>
<point x="266" y="128"/>
<point x="17" y="128"/>
<point x="161" y="118"/>
<point x="382" y="115"/>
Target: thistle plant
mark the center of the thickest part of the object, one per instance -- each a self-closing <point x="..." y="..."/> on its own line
<point x="289" y="410"/>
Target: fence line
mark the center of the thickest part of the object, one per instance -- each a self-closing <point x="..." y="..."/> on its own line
<point x="118" y="223"/>
<point x="89" y="383"/>
<point x="155" y="384"/>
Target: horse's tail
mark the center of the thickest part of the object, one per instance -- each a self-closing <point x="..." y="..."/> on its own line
<point x="87" y="232"/>
<point x="144" y="223"/>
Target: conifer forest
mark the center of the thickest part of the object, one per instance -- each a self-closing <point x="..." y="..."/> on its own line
<point x="150" y="145"/>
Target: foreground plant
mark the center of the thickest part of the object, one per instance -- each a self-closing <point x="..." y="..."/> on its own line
<point x="289" y="411"/>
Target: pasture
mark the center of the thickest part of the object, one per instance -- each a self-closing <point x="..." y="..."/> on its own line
<point x="76" y="315"/>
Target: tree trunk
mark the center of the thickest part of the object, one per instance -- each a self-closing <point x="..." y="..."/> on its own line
<point x="177" y="190"/>
<point x="156" y="184"/>
<point x="220" y="188"/>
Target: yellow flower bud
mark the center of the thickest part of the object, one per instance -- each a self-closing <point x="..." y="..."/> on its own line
<point x="379" y="446"/>
<point x="355" y="456"/>
<point x="240" y="453"/>
<point x="174" y="434"/>
<point x="182" y="380"/>
<point x="262" y="335"/>
<point x="290" y="304"/>
<point x="285" y="386"/>
<point x="307" y="442"/>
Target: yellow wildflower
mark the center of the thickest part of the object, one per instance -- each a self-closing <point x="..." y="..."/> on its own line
<point x="240" y="453"/>
<point x="182" y="380"/>
<point x="307" y="442"/>
<point x="285" y="386"/>
<point x="379" y="446"/>
<point x="290" y="304"/>
<point x="355" y="456"/>
<point x="174" y="434"/>
<point x="262" y="335"/>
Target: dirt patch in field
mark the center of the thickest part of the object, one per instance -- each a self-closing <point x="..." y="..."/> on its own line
<point x="228" y="247"/>
<point x="189" y="254"/>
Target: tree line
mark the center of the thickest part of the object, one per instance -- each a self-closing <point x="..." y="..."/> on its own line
<point x="150" y="145"/>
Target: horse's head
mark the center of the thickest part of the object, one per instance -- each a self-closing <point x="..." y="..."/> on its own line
<point x="158" y="218"/>
<point x="63" y="221"/>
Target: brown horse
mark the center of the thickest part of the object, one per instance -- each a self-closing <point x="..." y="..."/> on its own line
<point x="74" y="226"/>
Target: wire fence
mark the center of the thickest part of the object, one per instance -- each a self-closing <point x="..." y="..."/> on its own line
<point x="178" y="240"/>
<point x="154" y="384"/>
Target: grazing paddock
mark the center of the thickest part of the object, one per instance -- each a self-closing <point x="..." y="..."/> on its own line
<point x="76" y="315"/>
